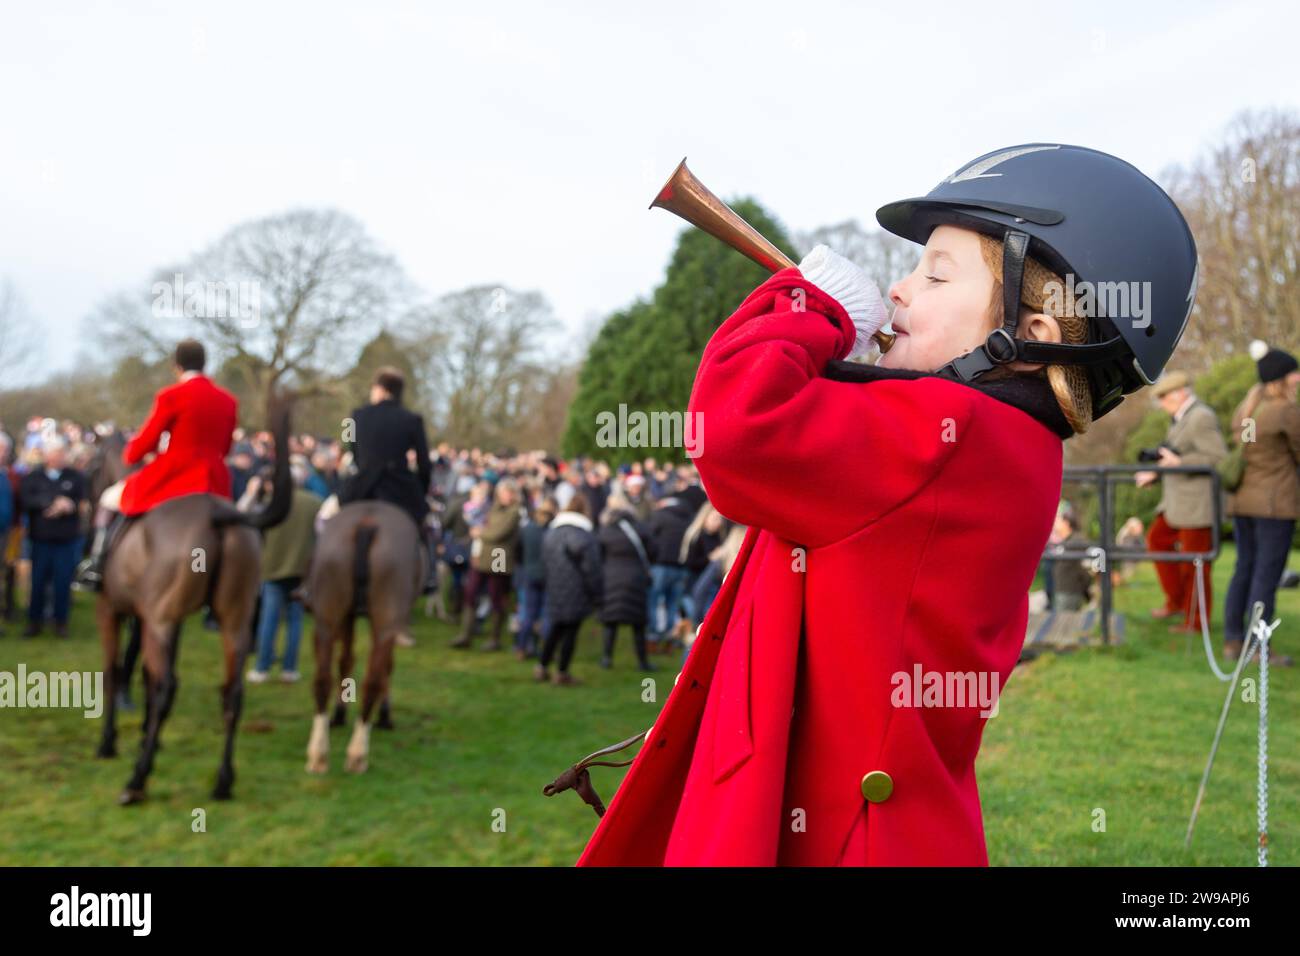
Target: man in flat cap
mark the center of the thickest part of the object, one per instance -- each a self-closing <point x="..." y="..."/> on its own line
<point x="1186" y="509"/>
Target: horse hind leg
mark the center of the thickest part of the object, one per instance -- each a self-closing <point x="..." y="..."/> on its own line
<point x="318" y="745"/>
<point x="236" y="637"/>
<point x="347" y="661"/>
<point x="375" y="690"/>
<point x="160" y="644"/>
<point x="109" y="629"/>
<point x="385" y="721"/>
<point x="357" y="758"/>
<point x="129" y="658"/>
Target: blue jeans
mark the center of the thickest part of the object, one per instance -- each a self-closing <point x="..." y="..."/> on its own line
<point x="667" y="585"/>
<point x="1263" y="545"/>
<point x="532" y="605"/>
<point x="276" y="603"/>
<point x="53" y="563"/>
<point x="704" y="591"/>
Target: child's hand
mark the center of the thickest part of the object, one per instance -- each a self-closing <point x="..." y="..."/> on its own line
<point x="852" y="288"/>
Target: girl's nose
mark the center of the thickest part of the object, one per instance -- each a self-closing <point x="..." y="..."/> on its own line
<point x="898" y="293"/>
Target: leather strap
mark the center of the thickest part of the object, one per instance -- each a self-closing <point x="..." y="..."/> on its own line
<point x="577" y="778"/>
<point x="1015" y="245"/>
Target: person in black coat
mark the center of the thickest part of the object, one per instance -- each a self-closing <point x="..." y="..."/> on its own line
<point x="626" y="559"/>
<point x="571" y="555"/>
<point x="597" y="492"/>
<point x="50" y="498"/>
<point x="384" y="434"/>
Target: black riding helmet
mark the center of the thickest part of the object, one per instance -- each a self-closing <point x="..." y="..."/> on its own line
<point x="1086" y="215"/>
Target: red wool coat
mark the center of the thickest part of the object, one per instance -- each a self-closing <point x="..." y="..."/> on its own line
<point x="892" y="524"/>
<point x="200" y="417"/>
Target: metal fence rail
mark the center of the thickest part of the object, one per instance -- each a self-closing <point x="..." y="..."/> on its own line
<point x="1105" y="478"/>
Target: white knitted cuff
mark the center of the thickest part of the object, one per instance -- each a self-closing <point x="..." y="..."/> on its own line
<point x="848" y="285"/>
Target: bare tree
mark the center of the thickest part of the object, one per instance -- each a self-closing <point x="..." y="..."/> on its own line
<point x="882" y="255"/>
<point x="481" y="354"/>
<point x="1242" y="201"/>
<point x="286" y="301"/>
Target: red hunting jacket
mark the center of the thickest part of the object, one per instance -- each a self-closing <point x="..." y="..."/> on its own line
<point x="894" y="524"/>
<point x="199" y="417"/>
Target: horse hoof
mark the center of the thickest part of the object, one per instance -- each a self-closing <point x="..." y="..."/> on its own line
<point x="220" y="792"/>
<point x="357" y="764"/>
<point x="130" y="796"/>
<point x="106" y="751"/>
<point x="339" y="719"/>
<point x="385" y="723"/>
<point x="317" y="765"/>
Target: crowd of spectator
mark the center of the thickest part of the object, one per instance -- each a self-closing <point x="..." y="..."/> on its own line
<point x="545" y="545"/>
<point x="525" y="540"/>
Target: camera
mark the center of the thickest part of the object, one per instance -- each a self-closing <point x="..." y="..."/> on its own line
<point x="1152" y="455"/>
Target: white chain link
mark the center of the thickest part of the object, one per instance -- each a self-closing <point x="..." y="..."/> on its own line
<point x="1265" y="632"/>
<point x="1261" y="632"/>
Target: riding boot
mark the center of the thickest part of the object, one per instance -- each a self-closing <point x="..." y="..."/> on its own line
<point x="466" y="627"/>
<point x="90" y="573"/>
<point x="638" y="639"/>
<point x="607" y="652"/>
<point x="498" y="625"/>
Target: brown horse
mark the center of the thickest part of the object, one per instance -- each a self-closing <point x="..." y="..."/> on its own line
<point x="186" y="553"/>
<point x="368" y="560"/>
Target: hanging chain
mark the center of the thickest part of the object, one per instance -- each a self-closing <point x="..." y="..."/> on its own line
<point x="1265" y="632"/>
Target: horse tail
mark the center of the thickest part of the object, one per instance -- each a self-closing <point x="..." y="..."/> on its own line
<point x="361" y="566"/>
<point x="277" y="509"/>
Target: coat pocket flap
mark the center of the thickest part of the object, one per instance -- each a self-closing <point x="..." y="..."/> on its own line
<point x="733" y="738"/>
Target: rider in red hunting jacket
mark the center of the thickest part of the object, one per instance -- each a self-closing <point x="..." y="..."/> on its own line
<point x="199" y="418"/>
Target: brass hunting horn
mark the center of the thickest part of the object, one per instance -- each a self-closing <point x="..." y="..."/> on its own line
<point x="685" y="196"/>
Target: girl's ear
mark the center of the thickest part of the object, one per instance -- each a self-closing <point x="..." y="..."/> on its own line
<point x="1037" y="327"/>
<point x="1041" y="328"/>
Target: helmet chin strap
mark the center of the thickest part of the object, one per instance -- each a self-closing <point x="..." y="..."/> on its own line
<point x="1001" y="346"/>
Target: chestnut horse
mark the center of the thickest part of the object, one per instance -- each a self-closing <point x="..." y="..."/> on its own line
<point x="186" y="553"/>
<point x="368" y="560"/>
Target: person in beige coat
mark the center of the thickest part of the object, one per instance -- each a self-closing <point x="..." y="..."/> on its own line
<point x="1186" y="509"/>
<point x="1265" y="505"/>
<point x="492" y="563"/>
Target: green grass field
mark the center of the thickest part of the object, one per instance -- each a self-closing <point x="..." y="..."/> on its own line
<point x="1124" y="730"/>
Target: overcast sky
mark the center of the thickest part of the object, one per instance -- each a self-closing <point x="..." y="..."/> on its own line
<point x="520" y="143"/>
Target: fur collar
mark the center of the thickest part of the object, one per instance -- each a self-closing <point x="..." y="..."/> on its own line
<point x="570" y="518"/>
<point x="1029" y="393"/>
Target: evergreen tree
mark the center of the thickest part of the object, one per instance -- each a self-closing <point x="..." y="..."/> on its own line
<point x="646" y="356"/>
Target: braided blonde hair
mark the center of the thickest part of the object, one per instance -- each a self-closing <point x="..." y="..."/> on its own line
<point x="1069" y="382"/>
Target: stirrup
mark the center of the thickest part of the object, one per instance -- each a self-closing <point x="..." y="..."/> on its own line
<point x="89" y="575"/>
<point x="577" y="778"/>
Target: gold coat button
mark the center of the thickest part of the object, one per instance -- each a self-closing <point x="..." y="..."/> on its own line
<point x="877" y="786"/>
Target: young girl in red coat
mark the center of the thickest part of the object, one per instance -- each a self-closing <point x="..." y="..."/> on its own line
<point x="831" y="708"/>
